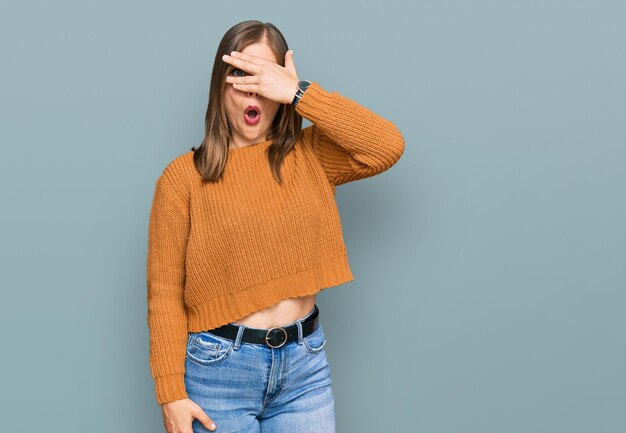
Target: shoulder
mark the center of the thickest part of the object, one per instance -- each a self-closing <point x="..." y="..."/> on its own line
<point x="178" y="173"/>
<point x="180" y="167"/>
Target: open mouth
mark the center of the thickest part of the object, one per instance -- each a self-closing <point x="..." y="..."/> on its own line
<point x="252" y="114"/>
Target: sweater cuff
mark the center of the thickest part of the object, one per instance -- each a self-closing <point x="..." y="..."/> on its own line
<point x="308" y="105"/>
<point x="170" y="388"/>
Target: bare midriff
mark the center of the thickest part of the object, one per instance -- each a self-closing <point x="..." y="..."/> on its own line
<point x="283" y="313"/>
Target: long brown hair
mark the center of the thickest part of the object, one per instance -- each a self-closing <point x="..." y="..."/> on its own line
<point x="210" y="157"/>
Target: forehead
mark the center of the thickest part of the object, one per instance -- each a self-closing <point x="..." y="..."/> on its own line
<point x="260" y="49"/>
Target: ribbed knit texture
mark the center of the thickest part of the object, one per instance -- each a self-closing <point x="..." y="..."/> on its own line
<point x="218" y="252"/>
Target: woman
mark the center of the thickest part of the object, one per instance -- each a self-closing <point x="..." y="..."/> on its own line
<point x="244" y="232"/>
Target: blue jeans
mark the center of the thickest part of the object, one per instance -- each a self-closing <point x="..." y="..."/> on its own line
<point x="251" y="388"/>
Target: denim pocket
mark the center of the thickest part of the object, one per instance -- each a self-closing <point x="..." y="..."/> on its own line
<point x="205" y="348"/>
<point x="315" y="341"/>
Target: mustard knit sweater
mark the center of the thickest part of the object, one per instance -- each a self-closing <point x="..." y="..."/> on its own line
<point x="218" y="252"/>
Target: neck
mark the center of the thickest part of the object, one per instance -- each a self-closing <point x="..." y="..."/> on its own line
<point x="239" y="141"/>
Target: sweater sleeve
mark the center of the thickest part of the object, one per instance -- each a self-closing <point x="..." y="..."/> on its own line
<point x="350" y="141"/>
<point x="168" y="231"/>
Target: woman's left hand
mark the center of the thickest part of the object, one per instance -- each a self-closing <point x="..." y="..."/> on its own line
<point x="267" y="78"/>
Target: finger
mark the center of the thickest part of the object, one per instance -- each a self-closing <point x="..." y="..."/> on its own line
<point x="242" y="64"/>
<point x="250" y="58"/>
<point x="289" y="60"/>
<point x="204" y="419"/>
<point x="246" y="87"/>
<point x="248" y="79"/>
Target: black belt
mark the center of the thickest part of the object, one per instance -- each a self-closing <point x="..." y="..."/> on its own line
<point x="273" y="337"/>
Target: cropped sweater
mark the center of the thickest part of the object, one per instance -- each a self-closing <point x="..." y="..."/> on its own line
<point x="220" y="251"/>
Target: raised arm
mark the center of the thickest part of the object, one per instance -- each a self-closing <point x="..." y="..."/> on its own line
<point x="165" y="273"/>
<point x="350" y="141"/>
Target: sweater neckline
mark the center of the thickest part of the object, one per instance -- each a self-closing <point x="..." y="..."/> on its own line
<point x="249" y="146"/>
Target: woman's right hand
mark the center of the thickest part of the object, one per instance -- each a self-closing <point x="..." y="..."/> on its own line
<point x="178" y="416"/>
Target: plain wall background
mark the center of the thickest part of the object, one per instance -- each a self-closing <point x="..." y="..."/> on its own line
<point x="490" y="261"/>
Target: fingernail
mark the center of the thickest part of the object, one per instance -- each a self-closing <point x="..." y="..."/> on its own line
<point x="213" y="426"/>
<point x="291" y="52"/>
<point x="225" y="56"/>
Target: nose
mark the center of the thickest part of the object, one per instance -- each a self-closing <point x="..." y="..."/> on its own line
<point x="252" y="94"/>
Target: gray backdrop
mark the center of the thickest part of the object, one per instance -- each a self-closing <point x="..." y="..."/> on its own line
<point x="489" y="261"/>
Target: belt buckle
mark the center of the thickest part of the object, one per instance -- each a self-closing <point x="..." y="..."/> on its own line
<point x="268" y="333"/>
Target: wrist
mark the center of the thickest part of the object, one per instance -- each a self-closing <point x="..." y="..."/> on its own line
<point x="300" y="89"/>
